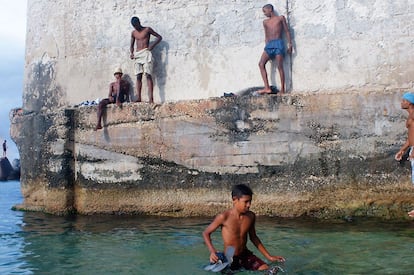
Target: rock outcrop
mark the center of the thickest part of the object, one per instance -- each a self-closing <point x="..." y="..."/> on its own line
<point x="9" y="171"/>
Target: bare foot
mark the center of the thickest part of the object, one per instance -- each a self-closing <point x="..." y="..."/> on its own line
<point x="264" y="91"/>
<point x="98" y="127"/>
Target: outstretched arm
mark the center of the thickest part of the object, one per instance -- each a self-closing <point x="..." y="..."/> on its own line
<point x="207" y="236"/>
<point x="258" y="243"/>
<point x="159" y="38"/>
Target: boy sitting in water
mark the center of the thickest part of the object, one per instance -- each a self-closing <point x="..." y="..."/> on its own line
<point x="236" y="224"/>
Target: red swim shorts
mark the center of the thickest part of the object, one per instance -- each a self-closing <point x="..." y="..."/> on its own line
<point x="247" y="260"/>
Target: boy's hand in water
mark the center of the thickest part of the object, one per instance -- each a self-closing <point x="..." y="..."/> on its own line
<point x="213" y="258"/>
<point x="276" y="259"/>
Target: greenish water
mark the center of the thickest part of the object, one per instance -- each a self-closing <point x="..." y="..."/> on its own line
<point x="35" y="243"/>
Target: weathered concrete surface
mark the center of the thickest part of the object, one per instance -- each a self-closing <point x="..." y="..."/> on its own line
<point x="325" y="155"/>
<point x="212" y="47"/>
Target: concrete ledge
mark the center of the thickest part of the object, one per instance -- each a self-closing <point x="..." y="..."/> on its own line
<point x="313" y="154"/>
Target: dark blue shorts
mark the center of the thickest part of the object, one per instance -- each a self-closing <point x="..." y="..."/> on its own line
<point x="275" y="47"/>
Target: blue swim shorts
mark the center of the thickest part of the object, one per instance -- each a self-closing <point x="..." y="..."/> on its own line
<point x="275" y="47"/>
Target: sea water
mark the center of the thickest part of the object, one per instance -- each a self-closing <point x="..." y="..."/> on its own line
<point x="36" y="243"/>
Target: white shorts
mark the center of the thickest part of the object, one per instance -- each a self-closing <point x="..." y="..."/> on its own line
<point x="143" y="62"/>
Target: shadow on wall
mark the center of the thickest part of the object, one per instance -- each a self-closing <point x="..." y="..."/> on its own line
<point x="160" y="54"/>
<point x="131" y="93"/>
<point x="287" y="66"/>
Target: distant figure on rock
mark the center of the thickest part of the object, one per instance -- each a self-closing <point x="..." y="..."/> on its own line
<point x="118" y="93"/>
<point x="407" y="103"/>
<point x="274" y="26"/>
<point x="140" y="37"/>
<point x="4" y="149"/>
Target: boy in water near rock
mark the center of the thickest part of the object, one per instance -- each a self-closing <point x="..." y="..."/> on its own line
<point x="236" y="224"/>
<point x="274" y="26"/>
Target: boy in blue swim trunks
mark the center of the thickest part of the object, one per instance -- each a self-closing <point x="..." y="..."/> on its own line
<point x="274" y="26"/>
<point x="236" y="224"/>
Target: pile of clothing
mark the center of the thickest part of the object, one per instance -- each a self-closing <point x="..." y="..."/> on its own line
<point x="88" y="103"/>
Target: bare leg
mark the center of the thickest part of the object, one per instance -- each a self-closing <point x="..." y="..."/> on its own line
<point x="101" y="107"/>
<point x="279" y="59"/>
<point x="262" y="67"/>
<point x="139" y="87"/>
<point x="150" y="88"/>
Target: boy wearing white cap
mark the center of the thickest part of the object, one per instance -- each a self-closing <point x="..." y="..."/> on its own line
<point x="118" y="92"/>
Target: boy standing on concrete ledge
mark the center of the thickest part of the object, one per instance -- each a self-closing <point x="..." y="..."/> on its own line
<point x="142" y="56"/>
<point x="236" y="224"/>
<point x="274" y="26"/>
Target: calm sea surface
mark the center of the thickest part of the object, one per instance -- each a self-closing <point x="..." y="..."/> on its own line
<point x="35" y="243"/>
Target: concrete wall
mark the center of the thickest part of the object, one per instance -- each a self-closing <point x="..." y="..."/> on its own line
<point x="326" y="155"/>
<point x="326" y="149"/>
<point x="213" y="47"/>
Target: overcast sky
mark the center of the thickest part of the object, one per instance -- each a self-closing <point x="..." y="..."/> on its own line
<point x="12" y="46"/>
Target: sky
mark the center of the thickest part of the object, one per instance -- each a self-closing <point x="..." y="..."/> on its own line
<point x="12" y="48"/>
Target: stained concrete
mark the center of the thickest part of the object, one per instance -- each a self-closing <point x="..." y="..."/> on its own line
<point x="324" y="155"/>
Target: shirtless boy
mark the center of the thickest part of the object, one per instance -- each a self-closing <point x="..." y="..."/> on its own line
<point x="274" y="26"/>
<point x="236" y="224"/>
<point x="118" y="91"/>
<point x="140" y="37"/>
<point x="407" y="103"/>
